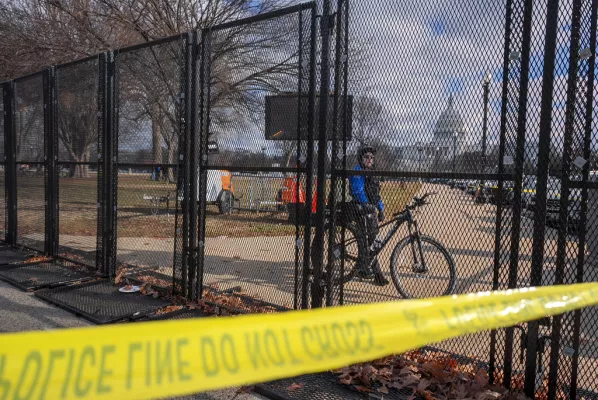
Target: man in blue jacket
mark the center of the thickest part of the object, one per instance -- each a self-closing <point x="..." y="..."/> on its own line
<point x="368" y="210"/>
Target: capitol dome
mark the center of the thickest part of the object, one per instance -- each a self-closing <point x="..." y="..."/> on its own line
<point x="449" y="123"/>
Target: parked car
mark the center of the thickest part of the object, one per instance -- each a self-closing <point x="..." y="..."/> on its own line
<point x="553" y="196"/>
<point x="472" y="187"/>
<point x="507" y="193"/>
<point x="461" y="184"/>
<point x="485" y="191"/>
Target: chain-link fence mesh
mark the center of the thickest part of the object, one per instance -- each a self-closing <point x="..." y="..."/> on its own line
<point x="29" y="157"/>
<point x="253" y="188"/>
<point x="76" y="172"/>
<point x="570" y="346"/>
<point x="149" y="105"/>
<point x="218" y="148"/>
<point x="3" y="210"/>
<point x="423" y="109"/>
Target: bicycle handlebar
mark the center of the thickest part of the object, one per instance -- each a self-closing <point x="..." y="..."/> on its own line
<point x="422" y="200"/>
<point x="417" y="202"/>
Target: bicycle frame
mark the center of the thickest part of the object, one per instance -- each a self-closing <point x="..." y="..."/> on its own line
<point x="404" y="217"/>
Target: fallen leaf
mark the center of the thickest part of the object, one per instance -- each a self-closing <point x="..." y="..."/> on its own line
<point x="295" y="386"/>
<point x="426" y="395"/>
<point x="383" y="389"/>
<point x="460" y="392"/>
<point x="487" y="395"/>
<point x="363" y="389"/>
<point x="481" y="377"/>
<point x="410" y="380"/>
<point x="243" y="390"/>
<point x="423" y="384"/>
<point x="436" y="370"/>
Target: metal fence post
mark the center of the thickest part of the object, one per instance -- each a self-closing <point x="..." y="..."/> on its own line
<point x="199" y="174"/>
<point x="181" y="260"/>
<point x="338" y="84"/>
<point x="10" y="173"/>
<point x="50" y="149"/>
<point x="550" y="45"/>
<point x="101" y="165"/>
<point x="524" y="63"/>
<point x="108" y="203"/>
<point x="318" y="246"/>
<point x="307" y="244"/>
<point x="501" y="168"/>
<point x="191" y="163"/>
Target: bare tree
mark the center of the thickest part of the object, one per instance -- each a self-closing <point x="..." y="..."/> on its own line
<point x="368" y="119"/>
<point x="246" y="61"/>
<point x="77" y="115"/>
<point x="29" y="115"/>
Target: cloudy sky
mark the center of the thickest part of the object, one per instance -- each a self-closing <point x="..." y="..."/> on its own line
<point x="413" y="55"/>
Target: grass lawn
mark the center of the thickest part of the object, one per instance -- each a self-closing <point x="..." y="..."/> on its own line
<point x="78" y="207"/>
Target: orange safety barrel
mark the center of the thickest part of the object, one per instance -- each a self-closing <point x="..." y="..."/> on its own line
<point x="227" y="183"/>
<point x="289" y="191"/>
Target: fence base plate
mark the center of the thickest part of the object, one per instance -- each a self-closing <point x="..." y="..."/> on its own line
<point x="10" y="255"/>
<point x="100" y="301"/>
<point x="39" y="275"/>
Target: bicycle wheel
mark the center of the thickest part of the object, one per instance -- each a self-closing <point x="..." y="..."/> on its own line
<point x="409" y="278"/>
<point x="342" y="272"/>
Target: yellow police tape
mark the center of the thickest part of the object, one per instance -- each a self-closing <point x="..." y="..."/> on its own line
<point x="168" y="358"/>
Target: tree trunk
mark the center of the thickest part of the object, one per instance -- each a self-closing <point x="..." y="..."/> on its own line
<point x="80" y="171"/>
<point x="171" y="160"/>
<point x="289" y="155"/>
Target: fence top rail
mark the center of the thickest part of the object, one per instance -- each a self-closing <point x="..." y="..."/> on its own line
<point x="28" y="76"/>
<point x="157" y="42"/>
<point x="78" y="61"/>
<point x="427" y="175"/>
<point x="262" y="17"/>
<point x="233" y="168"/>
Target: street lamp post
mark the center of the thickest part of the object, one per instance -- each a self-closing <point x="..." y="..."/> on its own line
<point x="419" y="158"/>
<point x="486" y="85"/>
<point x="454" y="153"/>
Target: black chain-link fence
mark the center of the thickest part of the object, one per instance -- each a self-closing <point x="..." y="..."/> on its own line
<point x="326" y="154"/>
<point x="3" y="205"/>
<point x="76" y="172"/>
<point x="29" y="150"/>
<point x="255" y="154"/>
<point x="149" y="102"/>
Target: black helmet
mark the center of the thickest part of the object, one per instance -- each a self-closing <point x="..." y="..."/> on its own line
<point x="366" y="149"/>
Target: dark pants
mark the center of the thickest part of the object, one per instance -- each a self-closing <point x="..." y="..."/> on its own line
<point x="365" y="217"/>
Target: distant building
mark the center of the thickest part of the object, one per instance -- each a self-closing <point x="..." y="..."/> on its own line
<point x="444" y="146"/>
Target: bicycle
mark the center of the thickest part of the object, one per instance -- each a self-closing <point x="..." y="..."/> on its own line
<point x="414" y="257"/>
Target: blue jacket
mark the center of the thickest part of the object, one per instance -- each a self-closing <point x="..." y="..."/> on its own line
<point x="357" y="184"/>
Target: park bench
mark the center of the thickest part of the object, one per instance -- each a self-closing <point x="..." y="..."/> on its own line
<point x="156" y="200"/>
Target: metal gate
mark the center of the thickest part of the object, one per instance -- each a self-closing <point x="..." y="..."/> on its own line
<point x="30" y="159"/>
<point x="543" y="229"/>
<point x="150" y="89"/>
<point x="255" y="75"/>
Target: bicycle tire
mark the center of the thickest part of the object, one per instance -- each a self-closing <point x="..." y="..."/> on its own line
<point x="349" y="271"/>
<point x="433" y="242"/>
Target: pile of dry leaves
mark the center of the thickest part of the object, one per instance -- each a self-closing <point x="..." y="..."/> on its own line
<point x="37" y="259"/>
<point x="124" y="274"/>
<point x="233" y="303"/>
<point x="423" y="375"/>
